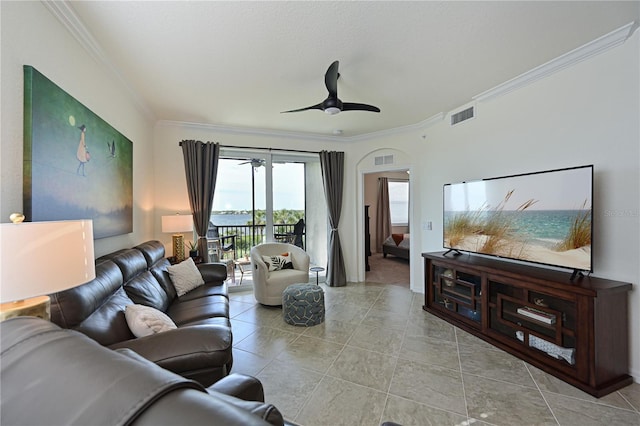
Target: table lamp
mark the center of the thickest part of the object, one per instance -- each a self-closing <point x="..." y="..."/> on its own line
<point x="42" y="258"/>
<point x="177" y="224"/>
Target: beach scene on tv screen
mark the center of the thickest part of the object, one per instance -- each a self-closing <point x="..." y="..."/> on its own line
<point x="543" y="217"/>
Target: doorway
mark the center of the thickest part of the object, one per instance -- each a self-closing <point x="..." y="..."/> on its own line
<point x="388" y="259"/>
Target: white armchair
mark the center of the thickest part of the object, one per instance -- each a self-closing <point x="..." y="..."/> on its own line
<point x="269" y="285"/>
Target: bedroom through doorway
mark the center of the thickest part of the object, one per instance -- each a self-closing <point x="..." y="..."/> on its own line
<point x="387" y="227"/>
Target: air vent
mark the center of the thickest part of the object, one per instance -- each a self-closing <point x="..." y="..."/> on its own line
<point x="461" y="116"/>
<point x="386" y="159"/>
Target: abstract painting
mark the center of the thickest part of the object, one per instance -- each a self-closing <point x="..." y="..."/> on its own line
<point x="76" y="166"/>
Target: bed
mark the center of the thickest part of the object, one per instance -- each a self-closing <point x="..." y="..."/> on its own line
<point x="397" y="245"/>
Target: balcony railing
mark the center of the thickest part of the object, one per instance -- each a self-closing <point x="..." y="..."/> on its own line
<point x="246" y="236"/>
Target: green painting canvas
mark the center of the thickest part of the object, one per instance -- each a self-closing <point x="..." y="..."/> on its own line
<point x="76" y="166"/>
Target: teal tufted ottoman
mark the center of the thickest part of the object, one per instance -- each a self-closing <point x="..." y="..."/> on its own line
<point x="303" y="304"/>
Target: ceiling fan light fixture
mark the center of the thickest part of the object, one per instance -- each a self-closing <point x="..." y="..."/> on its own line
<point x="333" y="105"/>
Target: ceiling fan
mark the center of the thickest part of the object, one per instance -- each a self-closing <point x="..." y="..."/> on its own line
<point x="333" y="105"/>
<point x="255" y="162"/>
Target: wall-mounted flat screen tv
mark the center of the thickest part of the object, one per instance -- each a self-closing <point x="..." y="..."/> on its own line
<point x="543" y="217"/>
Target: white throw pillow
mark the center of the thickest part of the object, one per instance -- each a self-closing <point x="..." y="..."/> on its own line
<point x="275" y="263"/>
<point x="145" y="320"/>
<point x="185" y="276"/>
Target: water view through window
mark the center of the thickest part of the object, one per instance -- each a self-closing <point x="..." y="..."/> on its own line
<point x="241" y="195"/>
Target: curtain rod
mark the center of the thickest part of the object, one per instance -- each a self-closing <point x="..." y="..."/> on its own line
<point x="265" y="149"/>
<point x="270" y="149"/>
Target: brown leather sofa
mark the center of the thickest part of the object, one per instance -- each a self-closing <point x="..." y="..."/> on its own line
<point x="52" y="376"/>
<point x="199" y="349"/>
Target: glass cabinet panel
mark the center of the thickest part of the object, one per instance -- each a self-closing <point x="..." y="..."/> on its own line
<point x="543" y="322"/>
<point x="458" y="291"/>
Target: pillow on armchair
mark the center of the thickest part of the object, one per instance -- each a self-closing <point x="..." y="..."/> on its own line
<point x="276" y="263"/>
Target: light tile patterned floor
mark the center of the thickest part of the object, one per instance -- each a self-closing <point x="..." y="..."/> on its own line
<point x="379" y="357"/>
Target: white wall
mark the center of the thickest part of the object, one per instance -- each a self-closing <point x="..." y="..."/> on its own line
<point x="31" y="35"/>
<point x="586" y="114"/>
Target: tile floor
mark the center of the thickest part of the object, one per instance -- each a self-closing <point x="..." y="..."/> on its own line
<point x="379" y="357"/>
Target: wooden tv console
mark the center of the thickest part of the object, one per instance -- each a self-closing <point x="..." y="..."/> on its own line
<point x="575" y="330"/>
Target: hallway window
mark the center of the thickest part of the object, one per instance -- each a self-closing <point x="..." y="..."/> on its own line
<point x="399" y="202"/>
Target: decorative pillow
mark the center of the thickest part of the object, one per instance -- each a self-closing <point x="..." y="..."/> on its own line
<point x="145" y="320"/>
<point x="397" y="238"/>
<point x="185" y="276"/>
<point x="275" y="263"/>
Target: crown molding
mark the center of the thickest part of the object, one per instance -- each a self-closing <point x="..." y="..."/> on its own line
<point x="302" y="135"/>
<point x="595" y="47"/>
<point x="66" y="15"/>
<point x="421" y="125"/>
<point x="254" y="131"/>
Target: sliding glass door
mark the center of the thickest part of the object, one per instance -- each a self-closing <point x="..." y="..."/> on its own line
<point x="263" y="196"/>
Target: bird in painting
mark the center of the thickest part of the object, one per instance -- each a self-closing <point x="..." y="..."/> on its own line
<point x="112" y="149"/>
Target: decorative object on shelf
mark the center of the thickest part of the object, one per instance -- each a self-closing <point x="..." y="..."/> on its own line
<point x="469" y="313"/>
<point x="16" y="218"/>
<point x="42" y="258"/>
<point x="540" y="302"/>
<point x="75" y="164"/>
<point x="537" y="314"/>
<point x="177" y="224"/>
<point x="550" y="348"/>
<point x="448" y="275"/>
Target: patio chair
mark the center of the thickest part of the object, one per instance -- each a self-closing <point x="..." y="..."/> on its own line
<point x="298" y="232"/>
<point x="222" y="247"/>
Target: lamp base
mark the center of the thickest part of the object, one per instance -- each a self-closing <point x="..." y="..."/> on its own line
<point x="35" y="307"/>
<point x="178" y="247"/>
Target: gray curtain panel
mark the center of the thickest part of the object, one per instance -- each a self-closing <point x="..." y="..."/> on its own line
<point x="332" y="165"/>
<point x="201" y="169"/>
<point x="383" y="213"/>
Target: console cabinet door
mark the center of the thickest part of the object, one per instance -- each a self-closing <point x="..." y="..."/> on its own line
<point x="458" y="291"/>
<point x="538" y="322"/>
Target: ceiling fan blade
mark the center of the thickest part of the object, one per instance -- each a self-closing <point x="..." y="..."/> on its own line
<point x="255" y="162"/>
<point x="331" y="80"/>
<point x="318" y="106"/>
<point x="351" y="106"/>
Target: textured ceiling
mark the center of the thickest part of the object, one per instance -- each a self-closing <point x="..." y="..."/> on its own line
<point x="240" y="64"/>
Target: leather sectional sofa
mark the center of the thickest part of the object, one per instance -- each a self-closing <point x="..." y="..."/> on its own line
<point x="52" y="376"/>
<point x="199" y="348"/>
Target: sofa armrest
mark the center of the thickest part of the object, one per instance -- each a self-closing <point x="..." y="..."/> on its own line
<point x="240" y="386"/>
<point x="264" y="411"/>
<point x="213" y="272"/>
<point x="183" y="348"/>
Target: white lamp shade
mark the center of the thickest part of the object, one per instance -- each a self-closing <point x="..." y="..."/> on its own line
<point x="177" y="223"/>
<point x="40" y="258"/>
